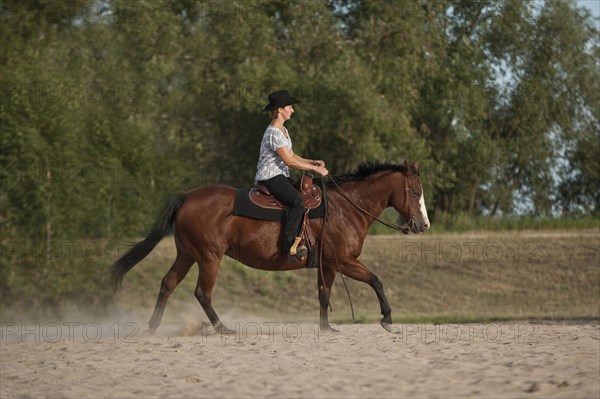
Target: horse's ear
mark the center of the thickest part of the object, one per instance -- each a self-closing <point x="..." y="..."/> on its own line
<point x="415" y="168"/>
<point x="406" y="167"/>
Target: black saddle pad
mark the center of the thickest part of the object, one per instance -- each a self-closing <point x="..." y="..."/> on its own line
<point x="246" y="208"/>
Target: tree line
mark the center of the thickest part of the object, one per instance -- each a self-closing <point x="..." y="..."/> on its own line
<point x="109" y="107"/>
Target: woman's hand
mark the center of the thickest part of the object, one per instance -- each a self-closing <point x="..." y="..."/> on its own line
<point x="319" y="167"/>
<point x="322" y="170"/>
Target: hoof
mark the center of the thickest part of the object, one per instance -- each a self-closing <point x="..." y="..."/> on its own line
<point x="328" y="329"/>
<point x="387" y="324"/>
<point x="147" y="334"/>
<point x="221" y="329"/>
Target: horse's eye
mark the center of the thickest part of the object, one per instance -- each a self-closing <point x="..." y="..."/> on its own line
<point x="417" y="194"/>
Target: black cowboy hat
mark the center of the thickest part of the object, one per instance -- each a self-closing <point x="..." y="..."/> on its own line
<point x="280" y="98"/>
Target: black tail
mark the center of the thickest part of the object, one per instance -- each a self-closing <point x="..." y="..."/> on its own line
<point x="140" y="250"/>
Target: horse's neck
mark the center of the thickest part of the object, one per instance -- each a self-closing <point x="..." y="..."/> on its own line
<point x="374" y="192"/>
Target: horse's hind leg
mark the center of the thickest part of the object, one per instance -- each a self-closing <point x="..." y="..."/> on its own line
<point x="207" y="278"/>
<point x="176" y="273"/>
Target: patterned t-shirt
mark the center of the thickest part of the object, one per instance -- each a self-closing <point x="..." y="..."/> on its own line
<point x="269" y="163"/>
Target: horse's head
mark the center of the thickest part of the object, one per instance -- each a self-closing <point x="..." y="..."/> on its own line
<point x="409" y="199"/>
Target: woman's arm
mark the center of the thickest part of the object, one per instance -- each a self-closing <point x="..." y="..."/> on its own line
<point x="294" y="161"/>
<point x="312" y="161"/>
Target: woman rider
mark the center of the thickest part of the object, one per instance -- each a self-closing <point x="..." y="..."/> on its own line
<point x="276" y="157"/>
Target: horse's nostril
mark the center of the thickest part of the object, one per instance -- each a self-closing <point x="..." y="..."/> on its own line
<point x="425" y="227"/>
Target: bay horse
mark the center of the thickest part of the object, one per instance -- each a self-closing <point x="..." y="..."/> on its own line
<point x="205" y="229"/>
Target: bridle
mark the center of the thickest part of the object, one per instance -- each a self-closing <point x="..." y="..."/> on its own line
<point x="411" y="217"/>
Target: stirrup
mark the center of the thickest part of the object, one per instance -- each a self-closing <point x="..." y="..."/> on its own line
<point x="300" y="256"/>
<point x="302" y="252"/>
<point x="294" y="248"/>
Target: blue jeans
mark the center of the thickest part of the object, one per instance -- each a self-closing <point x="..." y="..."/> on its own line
<point x="284" y="191"/>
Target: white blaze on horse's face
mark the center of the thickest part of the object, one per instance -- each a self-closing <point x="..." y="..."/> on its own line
<point x="426" y="224"/>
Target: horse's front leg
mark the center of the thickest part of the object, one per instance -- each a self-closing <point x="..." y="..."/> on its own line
<point x="324" y="284"/>
<point x="358" y="271"/>
<point x="386" y="310"/>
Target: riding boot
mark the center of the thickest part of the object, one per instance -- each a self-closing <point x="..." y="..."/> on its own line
<point x="293" y="224"/>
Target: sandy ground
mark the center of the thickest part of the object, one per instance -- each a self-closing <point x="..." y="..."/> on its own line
<point x="509" y="359"/>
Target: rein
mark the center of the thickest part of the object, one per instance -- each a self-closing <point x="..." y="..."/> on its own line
<point x="396" y="227"/>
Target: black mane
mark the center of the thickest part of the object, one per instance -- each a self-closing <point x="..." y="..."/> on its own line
<point x="366" y="169"/>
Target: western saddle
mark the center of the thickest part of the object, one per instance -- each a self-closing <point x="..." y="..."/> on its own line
<point x="310" y="192"/>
